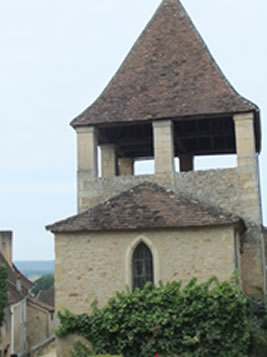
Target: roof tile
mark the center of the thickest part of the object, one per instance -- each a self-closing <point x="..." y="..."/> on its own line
<point x="146" y="206"/>
<point x="14" y="295"/>
<point x="169" y="73"/>
<point x="47" y="297"/>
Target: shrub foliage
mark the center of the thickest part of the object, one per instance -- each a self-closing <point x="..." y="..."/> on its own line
<point x="80" y="350"/>
<point x="200" y="320"/>
<point x="3" y="292"/>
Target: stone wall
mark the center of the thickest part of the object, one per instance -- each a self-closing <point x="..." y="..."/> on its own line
<point x="95" y="191"/>
<point x="230" y="189"/>
<point x="19" y="327"/>
<point x="99" y="264"/>
<point x="195" y="184"/>
<point x="40" y="325"/>
<point x="96" y="265"/>
<point x="233" y="190"/>
<point x="48" y="347"/>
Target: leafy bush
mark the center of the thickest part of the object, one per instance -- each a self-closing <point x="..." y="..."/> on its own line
<point x="207" y="319"/>
<point x="80" y="350"/>
<point x="3" y="292"/>
<point x="258" y="320"/>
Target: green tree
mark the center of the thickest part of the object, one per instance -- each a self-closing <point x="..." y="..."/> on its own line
<point x="3" y="292"/>
<point x="45" y="282"/>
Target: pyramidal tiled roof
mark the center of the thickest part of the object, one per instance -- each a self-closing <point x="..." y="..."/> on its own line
<point x="169" y="73"/>
<point x="146" y="206"/>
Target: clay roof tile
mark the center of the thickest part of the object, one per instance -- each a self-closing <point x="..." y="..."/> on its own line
<point x="146" y="206"/>
<point x="169" y="73"/>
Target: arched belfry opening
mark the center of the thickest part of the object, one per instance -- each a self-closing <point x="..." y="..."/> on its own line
<point x="142" y="266"/>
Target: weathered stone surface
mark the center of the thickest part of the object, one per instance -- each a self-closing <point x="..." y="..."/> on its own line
<point x="108" y="160"/>
<point x="40" y="324"/>
<point x="163" y="146"/>
<point x="87" y="153"/>
<point x="126" y="166"/>
<point x="94" y="258"/>
<point x="234" y="190"/>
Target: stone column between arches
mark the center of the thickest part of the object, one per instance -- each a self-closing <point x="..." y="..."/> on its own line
<point x="163" y="146"/>
<point x="108" y="160"/>
<point x="126" y="166"/>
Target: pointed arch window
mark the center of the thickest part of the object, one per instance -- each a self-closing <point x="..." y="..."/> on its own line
<point x="142" y="266"/>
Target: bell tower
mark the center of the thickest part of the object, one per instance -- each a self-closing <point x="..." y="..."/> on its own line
<point x="169" y="99"/>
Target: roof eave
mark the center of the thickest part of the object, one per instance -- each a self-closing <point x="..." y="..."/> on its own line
<point x="58" y="231"/>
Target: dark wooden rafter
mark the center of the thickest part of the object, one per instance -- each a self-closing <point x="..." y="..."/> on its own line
<point x="202" y="136"/>
<point x="211" y="137"/>
<point x="205" y="136"/>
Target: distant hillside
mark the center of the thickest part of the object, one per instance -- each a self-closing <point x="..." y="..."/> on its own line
<point x="35" y="268"/>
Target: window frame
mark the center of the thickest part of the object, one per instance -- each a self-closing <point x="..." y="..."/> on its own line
<point x="142" y="266"/>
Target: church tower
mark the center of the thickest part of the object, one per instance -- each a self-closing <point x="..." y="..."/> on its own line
<point x="169" y="99"/>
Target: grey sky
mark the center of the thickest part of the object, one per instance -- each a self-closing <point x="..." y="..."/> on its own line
<point x="55" y="59"/>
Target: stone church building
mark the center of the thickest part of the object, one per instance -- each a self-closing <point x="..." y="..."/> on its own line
<point x="169" y="99"/>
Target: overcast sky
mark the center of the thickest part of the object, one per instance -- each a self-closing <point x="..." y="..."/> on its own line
<point x="56" y="57"/>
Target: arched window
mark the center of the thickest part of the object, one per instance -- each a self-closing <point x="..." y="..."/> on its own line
<point x="142" y="266"/>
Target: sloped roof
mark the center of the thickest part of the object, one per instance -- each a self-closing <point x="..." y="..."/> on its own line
<point x="26" y="283"/>
<point x="41" y="304"/>
<point x="146" y="206"/>
<point x="169" y="73"/>
<point x="14" y="295"/>
<point x="47" y="296"/>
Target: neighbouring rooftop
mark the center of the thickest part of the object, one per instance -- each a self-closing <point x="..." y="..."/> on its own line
<point x="15" y="293"/>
